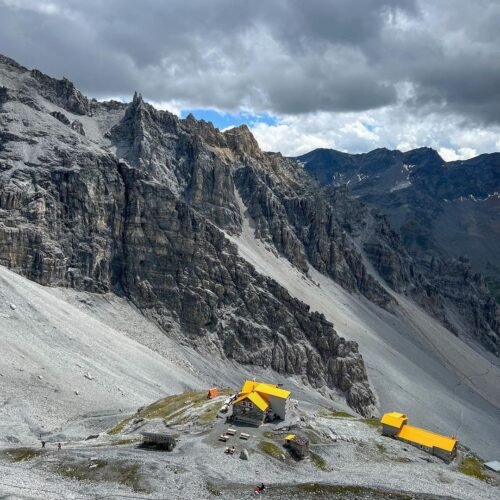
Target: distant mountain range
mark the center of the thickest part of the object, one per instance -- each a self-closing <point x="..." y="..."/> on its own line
<point x="439" y="208"/>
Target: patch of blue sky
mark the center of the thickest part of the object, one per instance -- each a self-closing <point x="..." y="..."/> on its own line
<point x="371" y="127"/>
<point x="223" y="120"/>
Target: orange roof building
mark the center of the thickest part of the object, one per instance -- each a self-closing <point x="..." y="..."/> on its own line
<point x="213" y="393"/>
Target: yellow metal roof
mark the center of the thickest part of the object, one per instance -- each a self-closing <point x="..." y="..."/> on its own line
<point x="272" y="390"/>
<point x="289" y="437"/>
<point x="264" y="388"/>
<point x="394" y="419"/>
<point x="426" y="438"/>
<point x="249" y="386"/>
<point x="256" y="399"/>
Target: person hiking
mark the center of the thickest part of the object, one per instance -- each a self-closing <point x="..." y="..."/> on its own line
<point x="58" y="446"/>
<point x="260" y="489"/>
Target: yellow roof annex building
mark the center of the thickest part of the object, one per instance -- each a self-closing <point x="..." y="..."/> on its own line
<point x="395" y="424"/>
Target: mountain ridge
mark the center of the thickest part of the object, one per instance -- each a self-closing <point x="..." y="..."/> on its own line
<point x="443" y="210"/>
<point x="145" y="204"/>
<point x="75" y="215"/>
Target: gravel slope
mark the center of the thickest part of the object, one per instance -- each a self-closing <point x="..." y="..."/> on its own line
<point x="414" y="364"/>
<point x="58" y="362"/>
<point x="57" y="342"/>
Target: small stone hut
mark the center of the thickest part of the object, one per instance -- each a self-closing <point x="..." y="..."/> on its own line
<point x="298" y="445"/>
<point x="158" y="440"/>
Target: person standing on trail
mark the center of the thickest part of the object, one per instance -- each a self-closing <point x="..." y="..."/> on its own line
<point x="260" y="489"/>
<point x="58" y="446"/>
<point x="43" y="444"/>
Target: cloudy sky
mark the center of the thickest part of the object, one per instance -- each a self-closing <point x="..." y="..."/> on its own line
<point x="345" y="74"/>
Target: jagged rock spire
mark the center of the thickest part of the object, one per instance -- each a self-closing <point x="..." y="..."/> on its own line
<point x="137" y="99"/>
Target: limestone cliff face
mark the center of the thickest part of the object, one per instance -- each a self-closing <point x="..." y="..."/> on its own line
<point x="126" y="198"/>
<point x="204" y="167"/>
<point x="303" y="226"/>
<point x="136" y="201"/>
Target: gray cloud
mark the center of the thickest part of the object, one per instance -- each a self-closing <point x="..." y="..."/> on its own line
<point x="285" y="57"/>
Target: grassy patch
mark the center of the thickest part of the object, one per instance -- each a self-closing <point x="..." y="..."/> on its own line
<point x="313" y="436"/>
<point x="472" y="467"/>
<point x="318" y="491"/>
<point x="328" y="413"/>
<point x="272" y="450"/>
<point x="120" y="426"/>
<point x="168" y="407"/>
<point x="210" y="414"/>
<point x="180" y="420"/>
<point x="80" y="471"/>
<point x="120" y="442"/>
<point x="318" y="461"/>
<point x="172" y="408"/>
<point x="21" y="454"/>
<point x="381" y="447"/>
<point x="372" y="422"/>
<point x="338" y="491"/>
<point x="127" y="474"/>
<point x="213" y="489"/>
<point x="270" y="435"/>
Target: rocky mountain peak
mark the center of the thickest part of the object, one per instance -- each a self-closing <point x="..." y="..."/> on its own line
<point x="137" y="99"/>
<point x="11" y="64"/>
<point x="63" y="93"/>
<point x="241" y="140"/>
<point x="427" y="161"/>
<point x="138" y="108"/>
<point x="141" y="110"/>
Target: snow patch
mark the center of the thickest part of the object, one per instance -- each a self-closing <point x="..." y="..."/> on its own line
<point x="401" y="185"/>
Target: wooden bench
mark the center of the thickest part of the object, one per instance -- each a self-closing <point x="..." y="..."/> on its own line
<point x="245" y="436"/>
<point x="223" y="437"/>
<point x="231" y="431"/>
